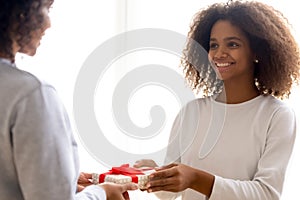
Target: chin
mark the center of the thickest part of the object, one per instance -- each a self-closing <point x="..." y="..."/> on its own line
<point x="219" y="76"/>
<point x="30" y="49"/>
<point x="30" y="52"/>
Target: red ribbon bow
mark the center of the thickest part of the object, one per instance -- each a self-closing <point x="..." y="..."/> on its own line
<point x="123" y="170"/>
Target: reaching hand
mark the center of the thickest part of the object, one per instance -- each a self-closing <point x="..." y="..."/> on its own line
<point x="178" y="177"/>
<point x="118" y="191"/>
<point x="145" y="163"/>
<point x="173" y="178"/>
<point x="83" y="181"/>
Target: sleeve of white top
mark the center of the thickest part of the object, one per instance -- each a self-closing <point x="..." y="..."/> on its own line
<point x="173" y="155"/>
<point x="167" y="195"/>
<point x="93" y="192"/>
<point x="268" y="180"/>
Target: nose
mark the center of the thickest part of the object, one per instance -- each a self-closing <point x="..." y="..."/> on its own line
<point x="46" y="19"/>
<point x="47" y="23"/>
<point x="220" y="52"/>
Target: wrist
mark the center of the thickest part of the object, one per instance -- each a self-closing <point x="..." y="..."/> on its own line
<point x="202" y="182"/>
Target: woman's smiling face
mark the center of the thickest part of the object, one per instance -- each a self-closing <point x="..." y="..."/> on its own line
<point x="230" y="51"/>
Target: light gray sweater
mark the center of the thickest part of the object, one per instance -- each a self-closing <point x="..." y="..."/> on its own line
<point x="38" y="153"/>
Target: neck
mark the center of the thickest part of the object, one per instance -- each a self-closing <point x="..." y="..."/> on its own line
<point x="237" y="93"/>
<point x="11" y="57"/>
<point x="2" y="56"/>
<point x="13" y="52"/>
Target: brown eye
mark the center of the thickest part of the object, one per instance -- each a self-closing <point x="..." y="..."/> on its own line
<point x="233" y="45"/>
<point x="213" y="46"/>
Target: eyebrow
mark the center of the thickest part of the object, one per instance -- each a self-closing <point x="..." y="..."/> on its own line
<point x="226" y="39"/>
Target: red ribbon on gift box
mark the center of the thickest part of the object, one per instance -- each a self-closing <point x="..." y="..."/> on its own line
<point x="124" y="169"/>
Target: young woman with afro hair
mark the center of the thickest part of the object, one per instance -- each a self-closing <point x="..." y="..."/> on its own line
<point x="235" y="142"/>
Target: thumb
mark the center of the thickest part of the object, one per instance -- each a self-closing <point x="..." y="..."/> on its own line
<point x="129" y="186"/>
<point x="88" y="175"/>
<point x="166" y="167"/>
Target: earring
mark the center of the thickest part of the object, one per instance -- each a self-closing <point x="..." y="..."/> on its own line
<point x="22" y="16"/>
<point x="255" y="61"/>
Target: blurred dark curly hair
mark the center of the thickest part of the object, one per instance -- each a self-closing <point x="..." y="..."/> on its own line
<point x="270" y="39"/>
<point x="17" y="19"/>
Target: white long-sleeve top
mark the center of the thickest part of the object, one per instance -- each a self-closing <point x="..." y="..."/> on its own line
<point x="38" y="153"/>
<point x="246" y="146"/>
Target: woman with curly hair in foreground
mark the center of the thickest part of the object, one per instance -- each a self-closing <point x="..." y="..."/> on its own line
<point x="235" y="142"/>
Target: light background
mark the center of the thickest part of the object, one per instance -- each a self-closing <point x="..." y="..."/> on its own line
<point x="78" y="27"/>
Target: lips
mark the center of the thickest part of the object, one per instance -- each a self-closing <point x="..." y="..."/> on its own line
<point x="224" y="66"/>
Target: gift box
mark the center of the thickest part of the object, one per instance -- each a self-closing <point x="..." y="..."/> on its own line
<point x="125" y="174"/>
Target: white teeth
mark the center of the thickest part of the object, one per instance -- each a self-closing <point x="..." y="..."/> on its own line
<point x="223" y="64"/>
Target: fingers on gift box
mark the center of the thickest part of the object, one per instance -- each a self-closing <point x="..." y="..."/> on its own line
<point x="124" y="174"/>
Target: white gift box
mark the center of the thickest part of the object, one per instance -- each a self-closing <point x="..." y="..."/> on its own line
<point x="124" y="174"/>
